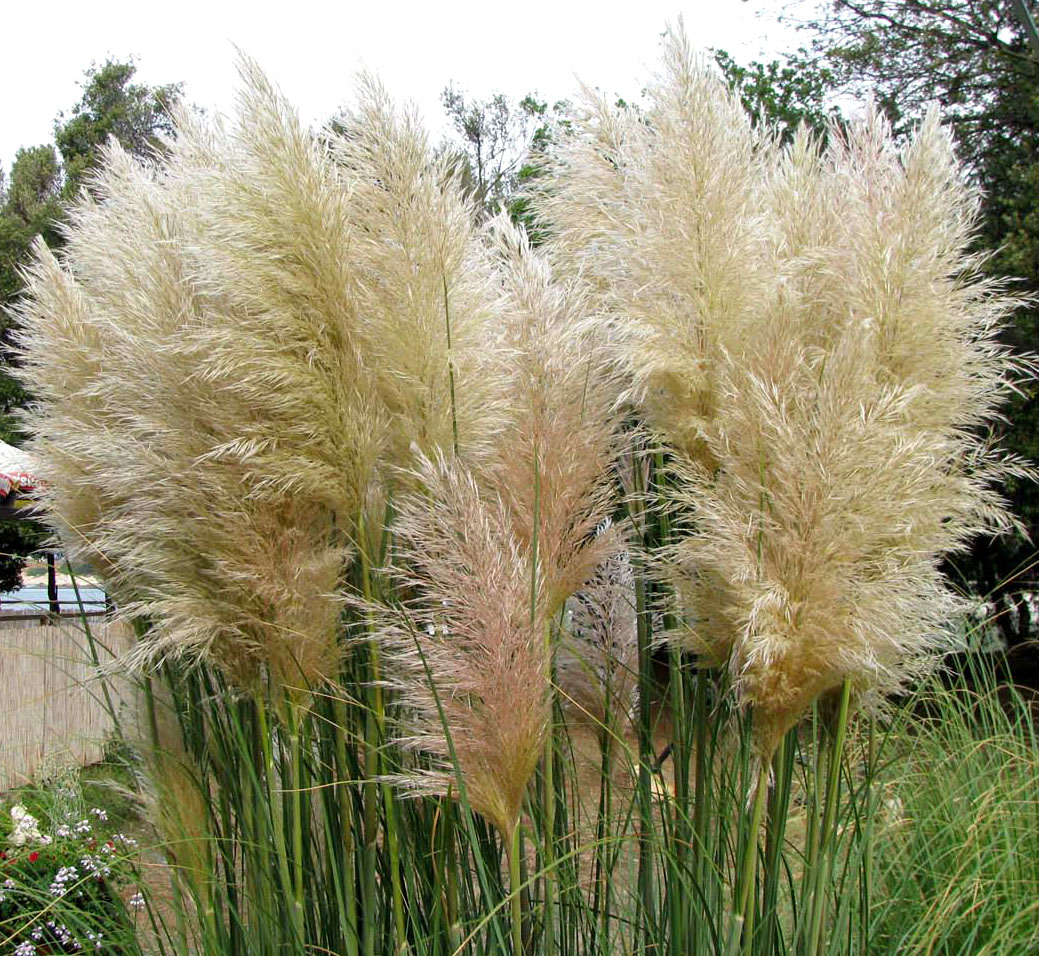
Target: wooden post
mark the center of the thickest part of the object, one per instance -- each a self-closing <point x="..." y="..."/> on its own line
<point x="52" y="586"/>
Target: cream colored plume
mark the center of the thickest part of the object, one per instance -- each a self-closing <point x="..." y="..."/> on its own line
<point x="236" y="347"/>
<point x="804" y="328"/>
<point x="657" y="215"/>
<point x="559" y="434"/>
<point x="491" y="550"/>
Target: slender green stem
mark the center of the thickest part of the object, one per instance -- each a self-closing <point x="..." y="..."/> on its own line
<point x="346" y="815"/>
<point x="548" y="793"/>
<point x="370" y="797"/>
<point x="602" y="901"/>
<point x="644" y="791"/>
<point x="95" y="658"/>
<point x="393" y="845"/>
<point x="748" y="871"/>
<point x="454" y="928"/>
<point x="516" y="906"/>
<point x="550" y="817"/>
<point x="373" y="769"/>
<point x="775" y="829"/>
<point x="828" y="834"/>
<point x="867" y="863"/>
<point x="812" y="838"/>
<point x="701" y="832"/>
<point x="371" y="824"/>
<point x="277" y="816"/>
<point x="296" y="803"/>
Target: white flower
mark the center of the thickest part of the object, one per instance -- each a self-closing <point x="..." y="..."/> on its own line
<point x="95" y="865"/>
<point x="66" y="874"/>
<point x="136" y="901"/>
<point x="25" y="949"/>
<point x="22" y="817"/>
<point x="99" y="813"/>
<point x="26" y="828"/>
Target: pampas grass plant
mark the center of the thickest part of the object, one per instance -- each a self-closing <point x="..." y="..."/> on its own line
<point x="493" y="556"/>
<point x="375" y="488"/>
<point x="808" y="335"/>
<point x="470" y="656"/>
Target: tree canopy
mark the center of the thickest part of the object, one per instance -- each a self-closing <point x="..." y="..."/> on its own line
<point x="112" y="105"/>
<point x="496" y="141"/>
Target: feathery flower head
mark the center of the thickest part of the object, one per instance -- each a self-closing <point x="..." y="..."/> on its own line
<point x="469" y="656"/>
<point x="805" y="329"/>
<point x="236" y="347"/>
<point x="558" y="436"/>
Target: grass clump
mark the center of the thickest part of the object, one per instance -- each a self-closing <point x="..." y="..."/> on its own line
<point x="390" y="498"/>
<point x="956" y="840"/>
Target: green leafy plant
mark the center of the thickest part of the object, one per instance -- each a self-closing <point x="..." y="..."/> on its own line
<point x="68" y="884"/>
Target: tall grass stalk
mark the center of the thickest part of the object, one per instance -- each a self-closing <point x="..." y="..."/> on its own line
<point x="828" y="836"/>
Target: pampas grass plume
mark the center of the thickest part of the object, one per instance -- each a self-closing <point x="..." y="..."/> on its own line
<point x="807" y="333"/>
<point x="238" y="348"/>
<point x="469" y="656"/>
<point x="559" y="435"/>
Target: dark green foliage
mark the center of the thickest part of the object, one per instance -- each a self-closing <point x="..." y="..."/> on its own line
<point x="112" y="105"/>
<point x="964" y="55"/>
<point x="18" y="539"/>
<point x="29" y="207"/>
<point x="551" y="121"/>
<point x="785" y="94"/>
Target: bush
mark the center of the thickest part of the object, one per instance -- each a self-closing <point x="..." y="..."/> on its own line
<point x="63" y="879"/>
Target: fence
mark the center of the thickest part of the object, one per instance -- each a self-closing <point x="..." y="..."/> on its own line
<point x="31" y="605"/>
<point x="52" y="710"/>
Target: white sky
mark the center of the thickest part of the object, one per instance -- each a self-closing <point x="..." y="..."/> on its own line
<point x="312" y="50"/>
